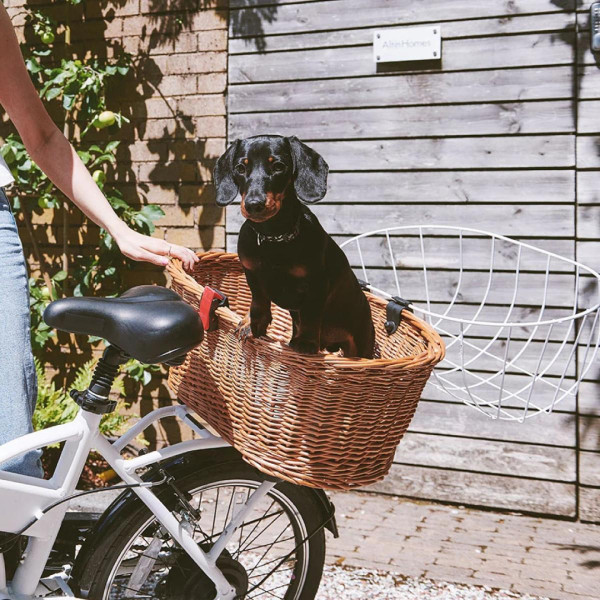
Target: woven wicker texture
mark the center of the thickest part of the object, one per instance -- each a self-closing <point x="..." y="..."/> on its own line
<point x="316" y="420"/>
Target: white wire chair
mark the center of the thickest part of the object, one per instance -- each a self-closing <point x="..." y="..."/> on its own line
<point x="520" y="323"/>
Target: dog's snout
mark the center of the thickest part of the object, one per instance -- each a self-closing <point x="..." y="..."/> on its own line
<point x="254" y="206"/>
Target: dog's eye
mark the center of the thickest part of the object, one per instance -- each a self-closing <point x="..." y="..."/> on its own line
<point x="240" y="169"/>
<point x="278" y="167"/>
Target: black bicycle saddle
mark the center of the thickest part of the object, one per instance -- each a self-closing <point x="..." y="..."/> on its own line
<point x="149" y="323"/>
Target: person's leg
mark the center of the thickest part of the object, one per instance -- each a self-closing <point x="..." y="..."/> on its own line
<point x="18" y="382"/>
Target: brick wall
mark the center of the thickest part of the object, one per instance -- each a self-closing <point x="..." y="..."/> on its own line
<point x="175" y="98"/>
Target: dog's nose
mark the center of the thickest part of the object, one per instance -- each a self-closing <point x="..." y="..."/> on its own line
<point x="254" y="205"/>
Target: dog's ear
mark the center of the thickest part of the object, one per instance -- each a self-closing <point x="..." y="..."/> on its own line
<point x="310" y="172"/>
<point x="227" y="189"/>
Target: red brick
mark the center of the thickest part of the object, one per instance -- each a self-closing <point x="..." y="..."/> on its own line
<point x="174" y="172"/>
<point x="202" y="105"/>
<point x="176" y="217"/>
<point x="173" y="85"/>
<point x="200" y="127"/>
<point x="113" y="28"/>
<point x="131" y="7"/>
<point x="196" y="194"/>
<point x="212" y="40"/>
<point x="211" y="83"/>
<point x="192" y="63"/>
<point x="209" y="19"/>
<point x="207" y="215"/>
<point x="184" y="42"/>
<point x="157" y="194"/>
<point x="135" y="25"/>
<point x="140" y="152"/>
<point x="205" y="239"/>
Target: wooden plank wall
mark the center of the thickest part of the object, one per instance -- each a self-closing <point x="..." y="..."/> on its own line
<point x="587" y="219"/>
<point x="489" y="139"/>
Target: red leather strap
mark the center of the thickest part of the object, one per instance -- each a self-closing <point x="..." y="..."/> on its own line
<point x="210" y="301"/>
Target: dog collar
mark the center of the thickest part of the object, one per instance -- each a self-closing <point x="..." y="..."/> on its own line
<point x="261" y="238"/>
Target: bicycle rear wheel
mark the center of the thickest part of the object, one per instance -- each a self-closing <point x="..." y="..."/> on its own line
<point x="138" y="559"/>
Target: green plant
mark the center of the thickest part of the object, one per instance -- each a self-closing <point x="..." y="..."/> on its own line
<point x="74" y="88"/>
<point x="40" y="295"/>
<point x="55" y="406"/>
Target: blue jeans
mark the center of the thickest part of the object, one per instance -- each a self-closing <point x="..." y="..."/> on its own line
<point x="18" y="382"/>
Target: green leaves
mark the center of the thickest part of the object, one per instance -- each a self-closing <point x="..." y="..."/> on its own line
<point x="43" y="26"/>
<point x="145" y="218"/>
<point x="55" y="406"/>
<point x="74" y="88"/>
<point x="80" y="85"/>
<point x="139" y="373"/>
<point x="31" y="181"/>
<point x="40" y="296"/>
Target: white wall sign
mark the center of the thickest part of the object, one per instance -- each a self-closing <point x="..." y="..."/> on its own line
<point x="407" y="43"/>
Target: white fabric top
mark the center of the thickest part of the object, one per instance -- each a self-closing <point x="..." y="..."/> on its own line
<point x="5" y="174"/>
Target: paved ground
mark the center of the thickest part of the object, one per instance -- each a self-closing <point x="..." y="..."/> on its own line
<point x="356" y="583"/>
<point x="527" y="555"/>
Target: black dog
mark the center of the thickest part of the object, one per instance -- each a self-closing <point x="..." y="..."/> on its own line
<point x="287" y="256"/>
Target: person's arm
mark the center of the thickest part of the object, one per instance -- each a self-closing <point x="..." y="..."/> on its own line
<point x="49" y="148"/>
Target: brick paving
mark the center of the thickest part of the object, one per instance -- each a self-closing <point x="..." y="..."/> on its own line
<point x="527" y="555"/>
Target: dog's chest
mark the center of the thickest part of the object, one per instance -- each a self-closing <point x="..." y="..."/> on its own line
<point x="286" y="284"/>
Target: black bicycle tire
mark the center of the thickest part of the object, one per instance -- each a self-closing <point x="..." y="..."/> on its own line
<point x="107" y="548"/>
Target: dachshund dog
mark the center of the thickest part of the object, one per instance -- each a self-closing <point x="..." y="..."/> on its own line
<point x="287" y="256"/>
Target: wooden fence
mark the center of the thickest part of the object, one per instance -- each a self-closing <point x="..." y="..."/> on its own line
<point x="503" y="135"/>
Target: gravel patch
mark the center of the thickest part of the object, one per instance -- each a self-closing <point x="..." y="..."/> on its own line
<point x="362" y="584"/>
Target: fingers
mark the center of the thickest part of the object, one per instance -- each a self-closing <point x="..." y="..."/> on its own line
<point x="156" y="251"/>
<point x="140" y="254"/>
<point x="163" y="248"/>
<point x="185" y="255"/>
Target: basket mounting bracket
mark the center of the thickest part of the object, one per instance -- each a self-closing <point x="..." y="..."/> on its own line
<point x="396" y="306"/>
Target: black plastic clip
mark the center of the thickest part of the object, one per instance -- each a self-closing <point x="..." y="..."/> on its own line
<point x="396" y="306"/>
<point x="93" y="403"/>
<point x="364" y="285"/>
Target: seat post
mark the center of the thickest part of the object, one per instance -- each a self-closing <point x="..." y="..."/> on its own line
<point x="96" y="398"/>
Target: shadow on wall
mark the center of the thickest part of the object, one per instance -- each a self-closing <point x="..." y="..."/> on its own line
<point x="184" y="165"/>
<point x="179" y="155"/>
<point x="589" y="427"/>
<point x="246" y="20"/>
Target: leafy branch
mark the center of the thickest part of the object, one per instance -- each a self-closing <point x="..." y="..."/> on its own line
<point x="74" y="88"/>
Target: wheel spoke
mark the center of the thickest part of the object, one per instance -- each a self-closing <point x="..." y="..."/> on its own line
<point x="261" y="546"/>
<point x="258" y="521"/>
<point x="153" y="566"/>
<point x="270" y="592"/>
<point x="212" y="533"/>
<point x="266" y="552"/>
<point x="242" y="528"/>
<point x="231" y="499"/>
<point x="261" y="532"/>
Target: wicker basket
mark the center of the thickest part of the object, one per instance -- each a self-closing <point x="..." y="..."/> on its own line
<point x="320" y="421"/>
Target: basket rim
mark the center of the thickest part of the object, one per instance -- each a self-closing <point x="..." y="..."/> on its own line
<point x="433" y="354"/>
<point x="501" y="324"/>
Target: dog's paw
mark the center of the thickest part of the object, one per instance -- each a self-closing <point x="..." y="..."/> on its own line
<point x="243" y="331"/>
<point x="304" y="346"/>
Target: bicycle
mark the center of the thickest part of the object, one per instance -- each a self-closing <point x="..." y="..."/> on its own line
<point x="194" y="520"/>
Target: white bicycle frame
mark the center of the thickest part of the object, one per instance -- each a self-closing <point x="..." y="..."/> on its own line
<point x="24" y="498"/>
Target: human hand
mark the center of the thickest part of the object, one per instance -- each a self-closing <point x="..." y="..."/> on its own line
<point x="156" y="251"/>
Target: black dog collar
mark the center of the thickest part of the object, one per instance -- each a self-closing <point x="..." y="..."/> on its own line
<point x="261" y="238"/>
